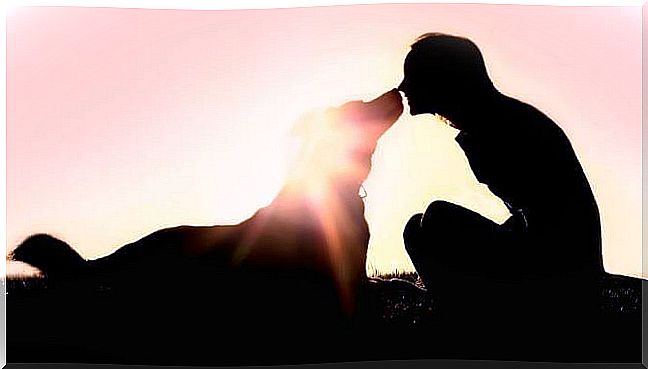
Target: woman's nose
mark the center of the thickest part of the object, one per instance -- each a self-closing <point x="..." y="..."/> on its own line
<point x="401" y="87"/>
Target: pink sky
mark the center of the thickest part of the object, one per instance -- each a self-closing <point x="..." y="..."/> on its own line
<point x="123" y="121"/>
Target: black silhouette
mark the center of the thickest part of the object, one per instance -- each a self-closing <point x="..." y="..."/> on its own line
<point x="51" y="255"/>
<point x="549" y="250"/>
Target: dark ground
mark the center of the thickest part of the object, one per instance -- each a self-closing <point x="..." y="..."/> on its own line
<point x="184" y="322"/>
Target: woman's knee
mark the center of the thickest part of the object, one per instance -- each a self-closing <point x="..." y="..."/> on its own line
<point x="412" y="232"/>
<point x="436" y="224"/>
<point x="438" y="213"/>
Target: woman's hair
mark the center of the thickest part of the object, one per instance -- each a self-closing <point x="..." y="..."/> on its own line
<point x="454" y="62"/>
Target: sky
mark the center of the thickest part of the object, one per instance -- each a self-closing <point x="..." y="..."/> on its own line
<point x="124" y="121"/>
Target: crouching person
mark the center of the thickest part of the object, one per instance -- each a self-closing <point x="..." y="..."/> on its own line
<point x="546" y="258"/>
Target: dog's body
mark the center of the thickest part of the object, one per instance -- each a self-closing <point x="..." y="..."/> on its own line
<point x="315" y="224"/>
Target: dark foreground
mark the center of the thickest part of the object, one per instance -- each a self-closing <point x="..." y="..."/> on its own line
<point x="262" y="319"/>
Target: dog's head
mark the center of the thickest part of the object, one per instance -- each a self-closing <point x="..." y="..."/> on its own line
<point x="372" y="118"/>
<point x="337" y="143"/>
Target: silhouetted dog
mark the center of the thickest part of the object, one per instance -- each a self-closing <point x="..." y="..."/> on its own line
<point x="314" y="227"/>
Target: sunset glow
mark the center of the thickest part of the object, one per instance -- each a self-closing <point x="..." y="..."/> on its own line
<point x="124" y="121"/>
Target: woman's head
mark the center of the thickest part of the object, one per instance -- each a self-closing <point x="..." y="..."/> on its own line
<point x="444" y="74"/>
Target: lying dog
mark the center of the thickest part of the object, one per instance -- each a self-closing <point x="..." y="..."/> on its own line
<point x="316" y="223"/>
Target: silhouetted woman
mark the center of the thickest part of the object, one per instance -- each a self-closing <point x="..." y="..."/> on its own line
<point x="553" y="236"/>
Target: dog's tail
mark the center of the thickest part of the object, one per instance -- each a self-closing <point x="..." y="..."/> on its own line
<point x="49" y="254"/>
